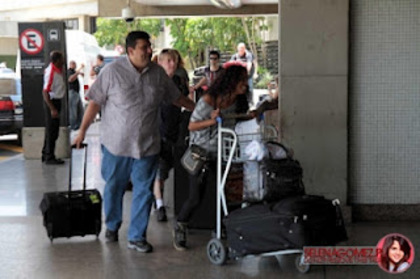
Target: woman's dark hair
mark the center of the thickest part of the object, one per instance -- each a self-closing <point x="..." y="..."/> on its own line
<point x="226" y="84"/>
<point x="404" y="246"/>
<point x="132" y="37"/>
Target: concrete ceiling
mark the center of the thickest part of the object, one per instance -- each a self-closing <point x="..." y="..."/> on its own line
<point x="168" y="8"/>
<point x="196" y="2"/>
<point x="40" y="10"/>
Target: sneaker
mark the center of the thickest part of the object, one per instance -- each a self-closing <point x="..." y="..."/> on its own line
<point x="111" y="236"/>
<point x="140" y="246"/>
<point x="161" y="214"/>
<point x="179" y="237"/>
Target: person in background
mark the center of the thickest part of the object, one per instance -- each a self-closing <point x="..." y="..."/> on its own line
<point x="269" y="101"/>
<point x="53" y="92"/>
<point x="247" y="58"/>
<point x="96" y="69"/>
<point x="224" y="97"/>
<point x="75" y="103"/>
<point x="182" y="74"/>
<point x="130" y="91"/>
<point x="169" y="128"/>
<point x="211" y="72"/>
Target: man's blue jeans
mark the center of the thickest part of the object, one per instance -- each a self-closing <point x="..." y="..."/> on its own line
<point x="75" y="109"/>
<point x="116" y="171"/>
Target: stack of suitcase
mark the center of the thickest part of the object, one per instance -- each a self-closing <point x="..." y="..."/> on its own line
<point x="286" y="218"/>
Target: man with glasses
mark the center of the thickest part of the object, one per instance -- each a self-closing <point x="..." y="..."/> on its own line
<point x="211" y="72"/>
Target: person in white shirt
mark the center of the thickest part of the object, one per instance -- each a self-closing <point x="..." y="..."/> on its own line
<point x="53" y="92"/>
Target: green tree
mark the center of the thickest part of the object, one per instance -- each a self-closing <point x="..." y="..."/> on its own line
<point x="193" y="36"/>
<point x="111" y="32"/>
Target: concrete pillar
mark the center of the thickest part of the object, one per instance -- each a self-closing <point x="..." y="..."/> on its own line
<point x="84" y="24"/>
<point x="33" y="141"/>
<point x="313" y="75"/>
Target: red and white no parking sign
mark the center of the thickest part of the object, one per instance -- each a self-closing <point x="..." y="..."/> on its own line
<point x="31" y="41"/>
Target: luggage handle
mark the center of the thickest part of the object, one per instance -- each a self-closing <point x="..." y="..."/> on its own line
<point x="289" y="152"/>
<point x="85" y="146"/>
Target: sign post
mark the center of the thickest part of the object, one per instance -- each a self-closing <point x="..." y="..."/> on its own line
<point x="36" y="41"/>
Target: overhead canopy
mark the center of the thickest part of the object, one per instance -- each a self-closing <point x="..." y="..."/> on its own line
<point x="167" y="8"/>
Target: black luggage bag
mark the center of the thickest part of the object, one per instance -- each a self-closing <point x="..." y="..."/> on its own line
<point x="282" y="177"/>
<point x="258" y="229"/>
<point x="72" y="213"/>
<point x="322" y="219"/>
<point x="291" y="223"/>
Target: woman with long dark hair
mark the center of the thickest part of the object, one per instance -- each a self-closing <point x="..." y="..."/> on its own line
<point x="395" y="254"/>
<point x="226" y="96"/>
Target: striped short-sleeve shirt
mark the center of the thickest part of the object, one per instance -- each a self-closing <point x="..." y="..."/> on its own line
<point x="130" y="104"/>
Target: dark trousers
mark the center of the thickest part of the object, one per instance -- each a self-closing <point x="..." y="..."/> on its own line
<point x="197" y="187"/>
<point x="52" y="126"/>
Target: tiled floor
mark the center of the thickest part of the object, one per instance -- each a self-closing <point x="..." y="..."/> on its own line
<point x="26" y="252"/>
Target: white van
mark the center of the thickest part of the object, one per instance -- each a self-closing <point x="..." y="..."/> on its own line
<point x="82" y="48"/>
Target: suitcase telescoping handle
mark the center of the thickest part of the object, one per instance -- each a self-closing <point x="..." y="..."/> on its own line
<point x="84" y="146"/>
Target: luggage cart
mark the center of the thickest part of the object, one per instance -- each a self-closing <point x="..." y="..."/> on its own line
<point x="228" y="151"/>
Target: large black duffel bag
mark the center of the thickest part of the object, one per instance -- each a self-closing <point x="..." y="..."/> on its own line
<point x="293" y="222"/>
<point x="72" y="213"/>
<point x="322" y="218"/>
<point x="257" y="229"/>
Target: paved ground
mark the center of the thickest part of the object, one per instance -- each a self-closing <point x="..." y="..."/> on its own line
<point x="26" y="252"/>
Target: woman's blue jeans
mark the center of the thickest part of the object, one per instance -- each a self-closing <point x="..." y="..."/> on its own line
<point x="117" y="171"/>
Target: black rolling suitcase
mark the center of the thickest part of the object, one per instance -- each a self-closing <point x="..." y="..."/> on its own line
<point x="72" y="213"/>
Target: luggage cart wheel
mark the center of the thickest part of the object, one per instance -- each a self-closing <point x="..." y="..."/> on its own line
<point x="301" y="266"/>
<point x="216" y="252"/>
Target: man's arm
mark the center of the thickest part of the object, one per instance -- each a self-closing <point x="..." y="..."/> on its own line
<point x="249" y="60"/>
<point x="47" y="99"/>
<point x="199" y="84"/>
<point x="93" y="73"/>
<point x="90" y="114"/>
<point x="73" y="77"/>
<point x="185" y="102"/>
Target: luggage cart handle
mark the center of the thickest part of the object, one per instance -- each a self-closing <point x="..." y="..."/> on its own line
<point x="85" y="147"/>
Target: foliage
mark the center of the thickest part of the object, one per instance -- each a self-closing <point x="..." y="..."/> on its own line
<point x="264" y="78"/>
<point x="193" y="36"/>
<point x="111" y="32"/>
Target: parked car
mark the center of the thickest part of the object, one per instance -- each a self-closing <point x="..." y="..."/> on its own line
<point x="198" y="74"/>
<point x="7" y="118"/>
<point x="11" y="109"/>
